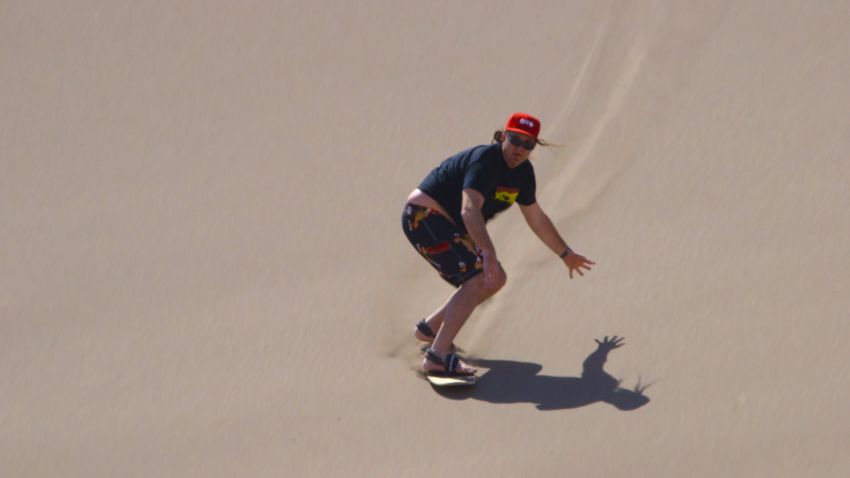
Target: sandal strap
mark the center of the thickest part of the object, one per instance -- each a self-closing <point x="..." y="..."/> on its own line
<point x="432" y="356"/>
<point x="423" y="327"/>
<point x="450" y="362"/>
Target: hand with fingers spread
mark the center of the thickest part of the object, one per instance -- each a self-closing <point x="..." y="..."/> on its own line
<point x="576" y="262"/>
<point x="610" y="343"/>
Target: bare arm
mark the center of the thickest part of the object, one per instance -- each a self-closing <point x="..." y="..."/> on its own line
<point x="542" y="226"/>
<point x="470" y="210"/>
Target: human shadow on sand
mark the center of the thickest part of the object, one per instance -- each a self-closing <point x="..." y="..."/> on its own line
<point x="509" y="381"/>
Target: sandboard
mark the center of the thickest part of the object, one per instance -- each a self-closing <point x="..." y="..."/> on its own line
<point x="451" y="381"/>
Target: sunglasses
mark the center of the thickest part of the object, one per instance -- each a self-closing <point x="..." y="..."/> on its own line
<point x="517" y="141"/>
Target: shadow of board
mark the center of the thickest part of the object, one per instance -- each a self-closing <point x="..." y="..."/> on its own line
<point x="509" y="381"/>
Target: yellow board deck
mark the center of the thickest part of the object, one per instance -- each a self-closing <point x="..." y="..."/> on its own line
<point x="452" y="381"/>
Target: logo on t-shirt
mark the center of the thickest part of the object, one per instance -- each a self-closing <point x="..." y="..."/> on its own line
<point x="507" y="195"/>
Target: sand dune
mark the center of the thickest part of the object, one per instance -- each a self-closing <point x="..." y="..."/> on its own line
<point x="203" y="272"/>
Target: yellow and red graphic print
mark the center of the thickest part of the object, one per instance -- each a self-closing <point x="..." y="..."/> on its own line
<point x="467" y="242"/>
<point x="471" y="247"/>
<point x="427" y="252"/>
<point x="438" y="249"/>
<point x="417" y="218"/>
<point x="507" y="195"/>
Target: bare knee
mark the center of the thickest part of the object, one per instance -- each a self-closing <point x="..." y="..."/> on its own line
<point x="484" y="290"/>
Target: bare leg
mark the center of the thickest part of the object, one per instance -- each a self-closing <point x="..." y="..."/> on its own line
<point x="456" y="311"/>
<point x="434" y="321"/>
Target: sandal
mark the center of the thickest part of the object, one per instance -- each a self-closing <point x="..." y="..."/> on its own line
<point x="425" y="330"/>
<point x="451" y="363"/>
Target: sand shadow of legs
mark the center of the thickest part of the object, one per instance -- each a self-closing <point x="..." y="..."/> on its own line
<point x="509" y="381"/>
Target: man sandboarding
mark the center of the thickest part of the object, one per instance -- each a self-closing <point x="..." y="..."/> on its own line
<point x="445" y="220"/>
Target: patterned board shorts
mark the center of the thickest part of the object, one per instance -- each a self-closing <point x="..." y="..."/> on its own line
<point x="444" y="245"/>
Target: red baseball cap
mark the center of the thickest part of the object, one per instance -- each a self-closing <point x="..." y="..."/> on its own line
<point x="523" y="123"/>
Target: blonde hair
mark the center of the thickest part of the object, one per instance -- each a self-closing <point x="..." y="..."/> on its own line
<point x="497" y="137"/>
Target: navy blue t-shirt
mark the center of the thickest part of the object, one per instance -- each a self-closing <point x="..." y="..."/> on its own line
<point x="484" y="169"/>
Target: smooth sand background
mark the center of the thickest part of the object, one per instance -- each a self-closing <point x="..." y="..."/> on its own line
<point x="202" y="271"/>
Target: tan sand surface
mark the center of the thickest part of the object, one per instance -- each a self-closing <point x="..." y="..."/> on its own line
<point x="203" y="274"/>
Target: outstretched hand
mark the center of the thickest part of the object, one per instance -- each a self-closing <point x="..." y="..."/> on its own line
<point x="612" y="343"/>
<point x="577" y="262"/>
